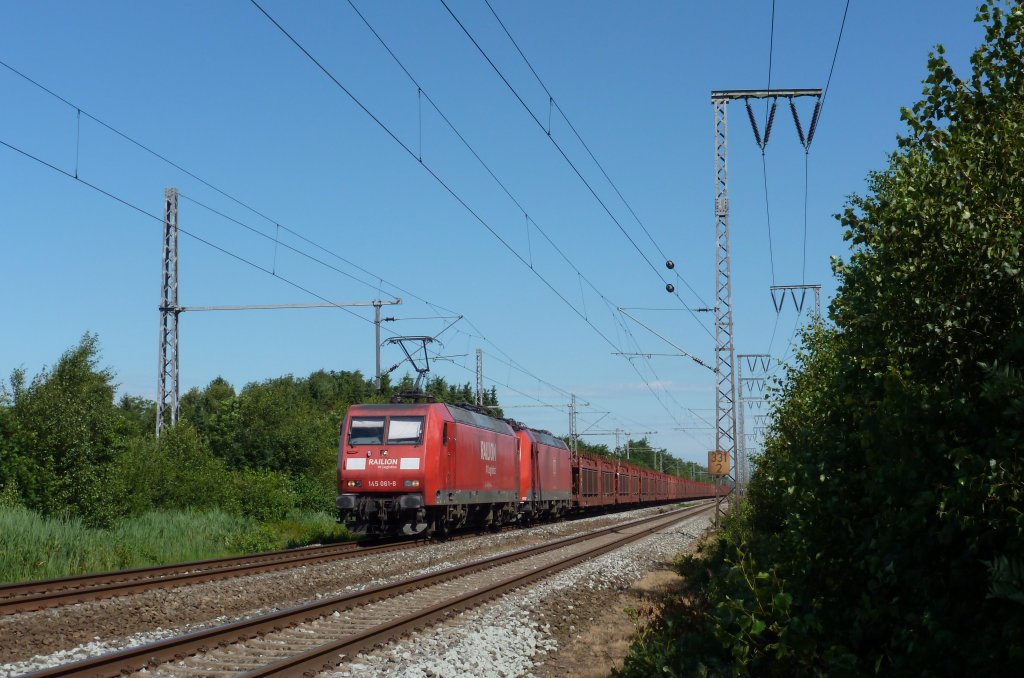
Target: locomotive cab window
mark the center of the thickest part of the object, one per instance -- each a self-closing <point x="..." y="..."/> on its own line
<point x="405" y="431"/>
<point x="366" y="431"/>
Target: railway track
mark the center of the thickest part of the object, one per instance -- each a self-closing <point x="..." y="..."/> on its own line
<point x="318" y="635"/>
<point x="50" y="593"/>
<point x="37" y="595"/>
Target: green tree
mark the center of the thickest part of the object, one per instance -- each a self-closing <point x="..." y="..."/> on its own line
<point x="175" y="472"/>
<point x="66" y="431"/>
<point x="139" y="413"/>
<point x="201" y="406"/>
<point x="885" y="531"/>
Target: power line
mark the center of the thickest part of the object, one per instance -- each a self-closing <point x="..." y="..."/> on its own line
<point x="257" y="231"/>
<point x="572" y="127"/>
<point x="238" y="257"/>
<point x="260" y="233"/>
<point x="229" y="196"/>
<point x="221" y="214"/>
<point x="828" y="82"/>
<point x="835" y="54"/>
<point x="217" y="212"/>
<point x="426" y="167"/>
<point x="803" y="268"/>
<point x="764" y="166"/>
<point x="448" y="188"/>
<point x="558" y="146"/>
<point x="421" y="92"/>
<point x="424" y="94"/>
<point x="228" y="252"/>
<point x="186" y="232"/>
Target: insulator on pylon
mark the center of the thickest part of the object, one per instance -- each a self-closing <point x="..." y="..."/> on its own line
<point x="771" y="119"/>
<point x="753" y="124"/>
<point x="670" y="264"/>
<point x="670" y="288"/>
<point x="799" y="127"/>
<point x="814" y="123"/>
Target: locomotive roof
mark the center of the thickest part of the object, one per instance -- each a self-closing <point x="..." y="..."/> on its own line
<point x="546" y="438"/>
<point x="464" y="416"/>
<point x="460" y="414"/>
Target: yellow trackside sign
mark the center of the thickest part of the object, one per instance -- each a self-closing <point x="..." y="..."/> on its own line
<point x="718" y="463"/>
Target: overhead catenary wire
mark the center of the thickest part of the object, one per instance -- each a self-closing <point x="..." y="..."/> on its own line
<point x="558" y="147"/>
<point x="815" y="121"/>
<point x="276" y="223"/>
<point x="475" y="215"/>
<point x="272" y="271"/>
<point x="487" y="168"/>
<point x="241" y="203"/>
<point x="232" y="198"/>
<point x="184" y="231"/>
<point x="229" y="253"/>
<point x="421" y="92"/>
<point x="657" y="379"/>
<point x="190" y="234"/>
<point x="554" y="103"/>
<point x="764" y="162"/>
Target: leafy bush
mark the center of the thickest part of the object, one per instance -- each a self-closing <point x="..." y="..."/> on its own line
<point x="316" y="491"/>
<point x="61" y="431"/>
<point x="885" y="530"/>
<point x="264" y="495"/>
<point x="174" y="472"/>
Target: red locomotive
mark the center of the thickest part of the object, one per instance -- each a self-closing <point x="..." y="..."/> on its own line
<point x="434" y="467"/>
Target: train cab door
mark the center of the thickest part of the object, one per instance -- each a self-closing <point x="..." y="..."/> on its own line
<point x="535" y="471"/>
<point x="448" y="441"/>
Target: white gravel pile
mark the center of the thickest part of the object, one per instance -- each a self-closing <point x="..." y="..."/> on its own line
<point x="512" y="635"/>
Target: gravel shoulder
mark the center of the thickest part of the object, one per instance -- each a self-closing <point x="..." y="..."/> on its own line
<point x="36" y="640"/>
<point x="577" y="623"/>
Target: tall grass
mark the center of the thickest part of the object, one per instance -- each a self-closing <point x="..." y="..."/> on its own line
<point x="34" y="547"/>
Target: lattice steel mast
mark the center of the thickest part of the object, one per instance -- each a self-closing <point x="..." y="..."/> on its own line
<point x="480" y="377"/>
<point x="757" y="371"/>
<point x="167" y="372"/>
<point x="167" y="388"/>
<point x="725" y="398"/>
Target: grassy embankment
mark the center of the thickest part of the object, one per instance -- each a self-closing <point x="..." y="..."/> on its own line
<point x="37" y="547"/>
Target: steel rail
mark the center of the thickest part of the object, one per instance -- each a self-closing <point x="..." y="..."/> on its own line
<point x="41" y="594"/>
<point x="326" y="657"/>
<point x="171" y="649"/>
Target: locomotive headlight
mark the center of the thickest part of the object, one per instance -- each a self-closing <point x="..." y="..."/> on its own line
<point x="354" y="483"/>
<point x="411" y="483"/>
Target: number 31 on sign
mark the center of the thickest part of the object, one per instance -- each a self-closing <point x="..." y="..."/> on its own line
<point x="718" y="463"/>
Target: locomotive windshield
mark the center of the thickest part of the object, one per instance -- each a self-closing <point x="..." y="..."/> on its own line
<point x="366" y="431"/>
<point x="405" y="431"/>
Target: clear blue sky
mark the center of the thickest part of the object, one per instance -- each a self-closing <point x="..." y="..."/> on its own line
<point x="216" y="88"/>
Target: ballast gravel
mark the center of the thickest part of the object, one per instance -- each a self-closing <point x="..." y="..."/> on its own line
<point x="516" y="634"/>
<point x="45" y="638"/>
